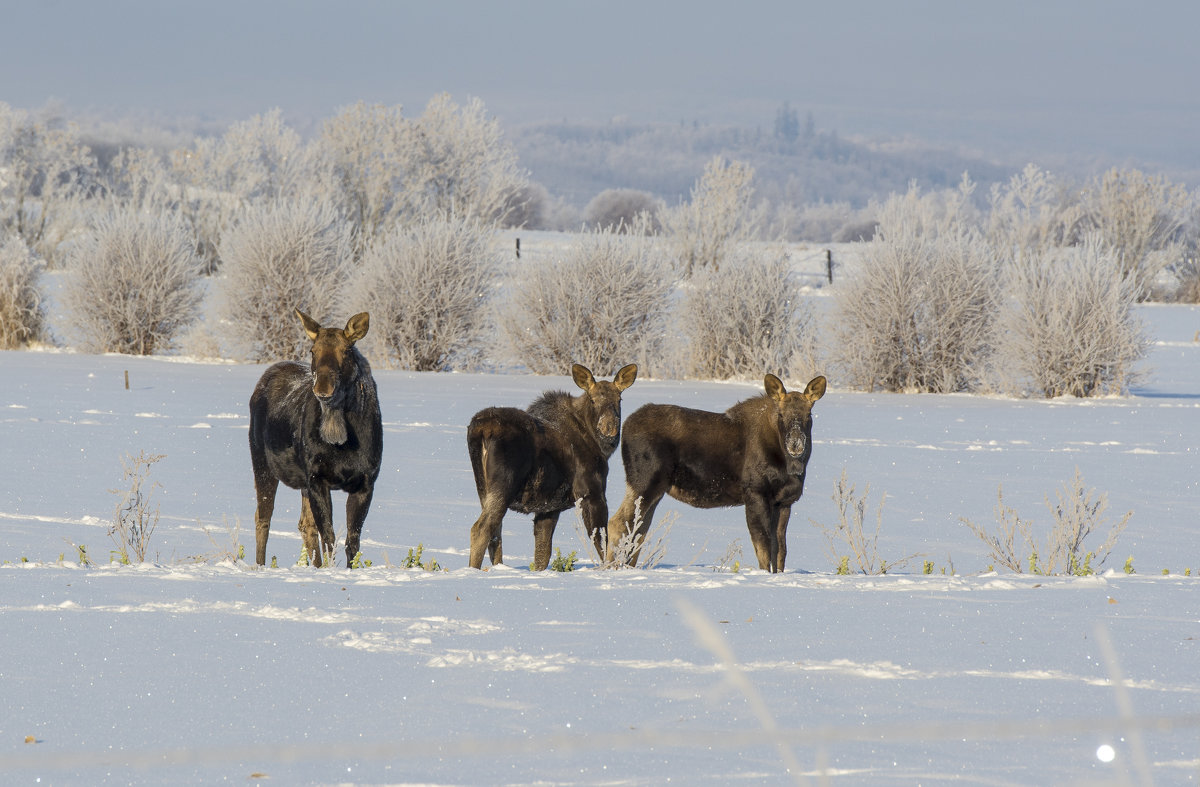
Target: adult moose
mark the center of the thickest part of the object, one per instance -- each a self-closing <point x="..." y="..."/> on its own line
<point x="543" y="459"/>
<point x="754" y="454"/>
<point x="317" y="428"/>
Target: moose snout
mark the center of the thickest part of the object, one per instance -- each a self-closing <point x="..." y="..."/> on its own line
<point x="609" y="424"/>
<point x="796" y="443"/>
<point x="324" y="387"/>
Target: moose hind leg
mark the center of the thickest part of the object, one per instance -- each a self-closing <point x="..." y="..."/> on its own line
<point x="485" y="533"/>
<point x="265" y="487"/>
<point x="308" y="532"/>
<point x="543" y="537"/>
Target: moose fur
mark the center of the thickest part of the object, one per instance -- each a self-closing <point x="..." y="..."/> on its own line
<point x="543" y="459"/>
<point x="755" y="454"/>
<point x="317" y="428"/>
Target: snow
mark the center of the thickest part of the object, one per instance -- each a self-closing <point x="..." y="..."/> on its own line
<point x="184" y="672"/>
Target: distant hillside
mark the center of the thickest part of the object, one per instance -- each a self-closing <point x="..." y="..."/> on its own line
<point x="795" y="164"/>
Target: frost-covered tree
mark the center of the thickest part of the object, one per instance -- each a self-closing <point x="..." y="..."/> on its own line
<point x="1141" y="218"/>
<point x="133" y="284"/>
<point x="427" y="287"/>
<point x="460" y="164"/>
<point x="604" y="305"/>
<point x="22" y="308"/>
<point x="259" y="160"/>
<point x="45" y="173"/>
<point x="1066" y="326"/>
<point x="1033" y="211"/>
<point x="281" y="257"/>
<point x="719" y="216"/>
<point x="362" y="155"/>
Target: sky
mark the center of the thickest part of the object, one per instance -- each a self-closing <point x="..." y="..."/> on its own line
<point x="1082" y="77"/>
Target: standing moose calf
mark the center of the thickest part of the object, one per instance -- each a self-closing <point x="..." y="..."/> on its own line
<point x="317" y="428"/>
<point x="542" y="460"/>
<point x="753" y="455"/>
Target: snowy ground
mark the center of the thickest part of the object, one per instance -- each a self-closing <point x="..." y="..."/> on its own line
<point x="181" y="672"/>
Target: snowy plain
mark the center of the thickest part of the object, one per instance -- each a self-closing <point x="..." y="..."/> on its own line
<point x="179" y="671"/>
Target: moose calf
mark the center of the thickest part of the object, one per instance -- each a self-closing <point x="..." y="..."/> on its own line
<point x="543" y="459"/>
<point x="753" y="455"/>
<point x="317" y="428"/>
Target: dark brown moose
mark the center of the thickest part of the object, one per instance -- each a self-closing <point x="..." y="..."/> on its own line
<point x="543" y="459"/>
<point x="317" y="428"/>
<point x="754" y="454"/>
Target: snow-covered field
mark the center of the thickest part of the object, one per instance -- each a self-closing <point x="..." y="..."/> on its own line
<point x="177" y="671"/>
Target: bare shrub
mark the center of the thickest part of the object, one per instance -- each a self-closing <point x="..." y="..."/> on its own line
<point x="1067" y="327"/>
<point x="427" y="288"/>
<point x="133" y="284"/>
<point x="849" y="537"/>
<point x="1141" y="218"/>
<point x="604" y="305"/>
<point x="279" y="258"/>
<point x="719" y="217"/>
<point x="1077" y="512"/>
<point x="746" y="318"/>
<point x="916" y="314"/>
<point x="621" y="209"/>
<point x="133" y="519"/>
<point x="22" y="311"/>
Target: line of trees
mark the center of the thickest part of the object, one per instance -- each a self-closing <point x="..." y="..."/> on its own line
<point x="1027" y="291"/>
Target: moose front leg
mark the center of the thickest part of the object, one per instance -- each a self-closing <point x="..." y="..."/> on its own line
<point x="357" y="505"/>
<point x="761" y="522"/>
<point x="543" y="537"/>
<point x="781" y="520"/>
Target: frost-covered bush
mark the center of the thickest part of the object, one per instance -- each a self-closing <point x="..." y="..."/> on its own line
<point x="427" y="288"/>
<point x="916" y="314"/>
<point x="622" y="209"/>
<point x="604" y="305"/>
<point x="133" y="284"/>
<point x="745" y="319"/>
<point x="1066" y="326"/>
<point x="22" y="312"/>
<point x="277" y="259"/>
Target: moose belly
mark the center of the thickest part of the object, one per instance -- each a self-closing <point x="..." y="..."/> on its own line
<point x="711" y="495"/>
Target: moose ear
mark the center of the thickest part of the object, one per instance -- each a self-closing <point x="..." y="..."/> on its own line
<point x="774" y="387"/>
<point x="625" y="377"/>
<point x="311" y="326"/>
<point x="356" y="327"/>
<point x="583" y="376"/>
<point x="815" y="389"/>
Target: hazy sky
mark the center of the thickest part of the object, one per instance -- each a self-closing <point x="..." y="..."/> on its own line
<point x="1118" y="79"/>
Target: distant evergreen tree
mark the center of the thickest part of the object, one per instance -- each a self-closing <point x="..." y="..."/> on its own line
<point x="787" y="123"/>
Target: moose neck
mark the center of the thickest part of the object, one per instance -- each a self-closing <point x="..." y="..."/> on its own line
<point x="347" y="399"/>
